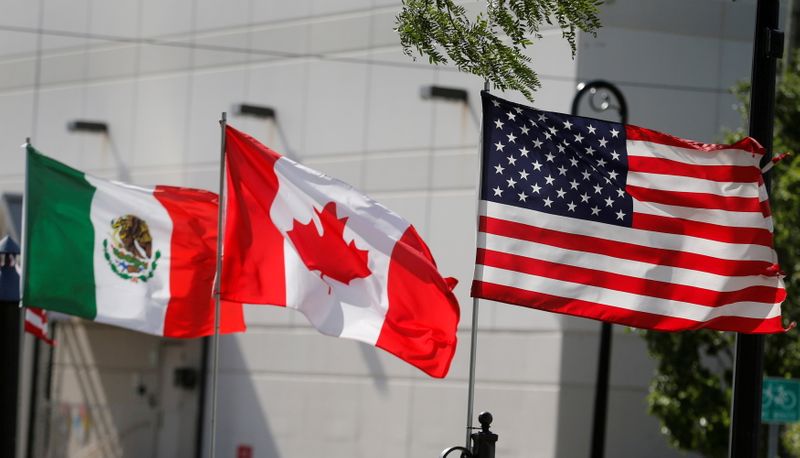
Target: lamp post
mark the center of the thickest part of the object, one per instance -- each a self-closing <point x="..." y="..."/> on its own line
<point x="10" y="333"/>
<point x="601" y="100"/>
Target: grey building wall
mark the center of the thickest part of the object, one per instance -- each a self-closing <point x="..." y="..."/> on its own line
<point x="347" y="100"/>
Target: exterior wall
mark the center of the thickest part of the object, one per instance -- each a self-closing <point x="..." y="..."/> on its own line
<point x="348" y="103"/>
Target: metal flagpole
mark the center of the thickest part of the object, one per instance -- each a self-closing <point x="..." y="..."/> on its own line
<point x="749" y="360"/>
<point x="223" y="122"/>
<point x="472" y="350"/>
<point x="474" y="331"/>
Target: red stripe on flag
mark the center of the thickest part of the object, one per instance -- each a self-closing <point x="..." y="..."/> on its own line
<point x="766" y="210"/>
<point x="709" y="231"/>
<point x="695" y="199"/>
<point x="37" y="327"/>
<point x="420" y="324"/>
<point x="193" y="248"/>
<point x="628" y="284"/>
<point x="626" y="317"/>
<point x="646" y="135"/>
<point x="622" y="250"/>
<point x="719" y="173"/>
<point x="254" y="269"/>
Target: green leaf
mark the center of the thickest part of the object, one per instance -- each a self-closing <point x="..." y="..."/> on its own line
<point x="442" y="31"/>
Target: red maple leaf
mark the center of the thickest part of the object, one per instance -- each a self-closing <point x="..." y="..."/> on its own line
<point x="329" y="253"/>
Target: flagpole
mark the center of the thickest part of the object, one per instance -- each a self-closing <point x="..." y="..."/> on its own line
<point x="217" y="279"/>
<point x="473" y="345"/>
<point x="472" y="354"/>
<point x="23" y="245"/>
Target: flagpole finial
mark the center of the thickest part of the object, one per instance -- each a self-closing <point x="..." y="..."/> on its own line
<point x="224" y="117"/>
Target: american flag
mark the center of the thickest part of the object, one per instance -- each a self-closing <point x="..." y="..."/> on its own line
<point x="36" y="324"/>
<point x="624" y="224"/>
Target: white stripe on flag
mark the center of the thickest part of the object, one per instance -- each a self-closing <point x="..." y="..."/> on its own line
<point x="691" y="156"/>
<point x="702" y="215"/>
<point x="35" y="320"/>
<point x="625" y="300"/>
<point x="611" y="264"/>
<point x="721" y="250"/>
<point x="688" y="184"/>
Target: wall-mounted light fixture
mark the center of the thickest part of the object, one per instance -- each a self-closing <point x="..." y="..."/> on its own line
<point x="255" y="111"/>
<point x="265" y="113"/>
<point x="98" y="127"/>
<point x="450" y="94"/>
<point x="445" y="93"/>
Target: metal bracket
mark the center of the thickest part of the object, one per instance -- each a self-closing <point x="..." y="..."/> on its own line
<point x="773" y="45"/>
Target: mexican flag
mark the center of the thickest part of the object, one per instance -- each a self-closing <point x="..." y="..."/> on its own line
<point x="134" y="257"/>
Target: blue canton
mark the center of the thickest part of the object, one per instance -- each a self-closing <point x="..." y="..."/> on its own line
<point x="555" y="163"/>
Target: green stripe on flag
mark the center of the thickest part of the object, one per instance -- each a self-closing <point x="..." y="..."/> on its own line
<point x="59" y="239"/>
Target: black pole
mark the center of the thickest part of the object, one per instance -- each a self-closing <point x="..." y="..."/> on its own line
<point x="604" y="354"/>
<point x="598" y="446"/>
<point x="9" y="382"/>
<point x="10" y="333"/>
<point x="32" y="404"/>
<point x="749" y="361"/>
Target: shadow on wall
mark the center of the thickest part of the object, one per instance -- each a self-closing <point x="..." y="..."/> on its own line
<point x="241" y="418"/>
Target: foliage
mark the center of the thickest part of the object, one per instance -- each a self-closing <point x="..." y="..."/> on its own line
<point x="691" y="391"/>
<point x="441" y="29"/>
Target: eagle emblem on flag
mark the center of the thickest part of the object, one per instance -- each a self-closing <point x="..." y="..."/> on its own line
<point x="131" y="254"/>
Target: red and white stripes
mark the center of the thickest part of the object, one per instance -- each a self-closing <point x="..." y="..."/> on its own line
<point x="698" y="255"/>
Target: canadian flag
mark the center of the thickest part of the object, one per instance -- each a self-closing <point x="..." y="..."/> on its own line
<point x="300" y="239"/>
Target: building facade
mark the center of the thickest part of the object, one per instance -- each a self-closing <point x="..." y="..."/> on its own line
<point x="347" y="102"/>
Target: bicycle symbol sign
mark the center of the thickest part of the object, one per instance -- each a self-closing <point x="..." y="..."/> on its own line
<point x="779" y="400"/>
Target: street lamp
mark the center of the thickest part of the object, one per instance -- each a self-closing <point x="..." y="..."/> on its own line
<point x="603" y="96"/>
<point x="10" y="333"/>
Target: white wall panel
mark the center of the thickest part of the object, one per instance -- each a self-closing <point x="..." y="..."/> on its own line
<point x="212" y="93"/>
<point x="16" y="74"/>
<point x="335" y="121"/>
<point x="114" y="104"/>
<point x="213" y="14"/>
<point x="56" y="108"/>
<point x="397" y="116"/>
<point x="15" y="124"/>
<point x="112" y="61"/>
<point x="167" y="17"/>
<point x="64" y="67"/>
<point x="16" y="44"/>
<point x="272" y="11"/>
<point x="119" y="18"/>
<point x="338" y="34"/>
<point x="396" y="171"/>
<point x="219" y="49"/>
<point x="161" y="120"/>
<point x="325" y="7"/>
<point x="160" y="59"/>
<point x="279" y="42"/>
